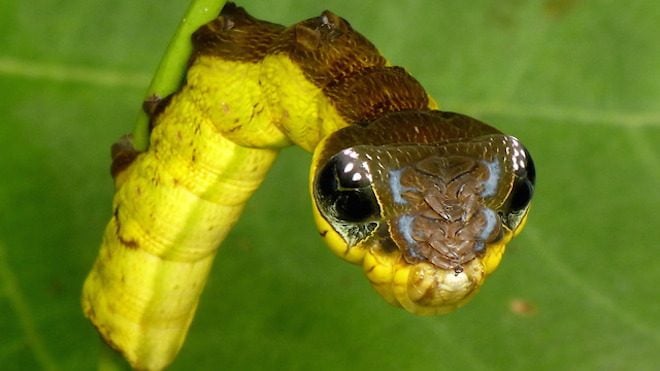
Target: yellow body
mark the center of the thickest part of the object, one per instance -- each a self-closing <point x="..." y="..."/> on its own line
<point x="210" y="150"/>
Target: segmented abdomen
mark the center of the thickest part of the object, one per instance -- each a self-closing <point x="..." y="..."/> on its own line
<point x="171" y="210"/>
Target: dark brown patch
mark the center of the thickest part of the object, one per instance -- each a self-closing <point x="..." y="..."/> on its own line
<point x="386" y="244"/>
<point x="323" y="233"/>
<point x="131" y="244"/>
<point x="371" y="93"/>
<point x="154" y="106"/>
<point x="123" y="154"/>
<point x="235" y="35"/>
<point x="328" y="50"/>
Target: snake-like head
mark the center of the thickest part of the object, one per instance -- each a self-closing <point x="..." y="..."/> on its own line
<point x="425" y="200"/>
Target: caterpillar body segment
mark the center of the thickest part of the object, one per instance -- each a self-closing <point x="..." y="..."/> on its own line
<point x="424" y="200"/>
<point x="176" y="204"/>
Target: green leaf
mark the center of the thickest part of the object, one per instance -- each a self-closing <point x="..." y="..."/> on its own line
<point x="577" y="81"/>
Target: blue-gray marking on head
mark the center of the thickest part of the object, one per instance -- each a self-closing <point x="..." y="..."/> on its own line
<point x="405" y="228"/>
<point x="405" y="225"/>
<point x="397" y="188"/>
<point x="490" y="185"/>
<point x="491" y="222"/>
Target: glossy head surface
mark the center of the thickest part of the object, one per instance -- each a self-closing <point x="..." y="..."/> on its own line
<point x="441" y="191"/>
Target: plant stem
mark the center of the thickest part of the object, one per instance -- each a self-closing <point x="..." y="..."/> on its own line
<point x="173" y="65"/>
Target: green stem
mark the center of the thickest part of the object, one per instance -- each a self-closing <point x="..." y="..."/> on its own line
<point x="173" y="66"/>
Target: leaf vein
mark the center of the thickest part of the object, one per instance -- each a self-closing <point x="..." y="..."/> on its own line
<point x="22" y="310"/>
<point x="559" y="114"/>
<point x="64" y="73"/>
<point x="591" y="293"/>
<point x="138" y="80"/>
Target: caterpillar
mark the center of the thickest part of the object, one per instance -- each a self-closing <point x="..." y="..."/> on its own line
<point x="425" y="200"/>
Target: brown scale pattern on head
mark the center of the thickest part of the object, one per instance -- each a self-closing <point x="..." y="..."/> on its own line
<point x="412" y="127"/>
<point x="446" y="212"/>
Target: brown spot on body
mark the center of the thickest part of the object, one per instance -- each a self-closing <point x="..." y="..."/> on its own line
<point x="123" y="154"/>
<point x="128" y="243"/>
<point x="370" y="94"/>
<point x="235" y="35"/>
<point x="131" y="244"/>
<point x="154" y="106"/>
<point x="235" y="129"/>
<point x="328" y="50"/>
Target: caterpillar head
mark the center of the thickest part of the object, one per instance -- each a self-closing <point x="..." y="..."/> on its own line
<point x="427" y="210"/>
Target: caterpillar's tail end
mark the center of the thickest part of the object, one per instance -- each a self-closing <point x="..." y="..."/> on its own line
<point x="131" y="318"/>
<point x="114" y="331"/>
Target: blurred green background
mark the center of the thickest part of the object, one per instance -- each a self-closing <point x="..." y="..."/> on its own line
<point x="577" y="81"/>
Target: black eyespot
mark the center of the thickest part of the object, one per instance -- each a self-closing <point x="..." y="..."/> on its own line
<point x="355" y="206"/>
<point x="523" y="189"/>
<point x="343" y="189"/>
<point x="521" y="195"/>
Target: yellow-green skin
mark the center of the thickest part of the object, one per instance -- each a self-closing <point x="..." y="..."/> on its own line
<point x="177" y="201"/>
<point x="210" y="150"/>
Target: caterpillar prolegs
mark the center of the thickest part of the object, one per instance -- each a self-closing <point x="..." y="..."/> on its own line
<point x="424" y="200"/>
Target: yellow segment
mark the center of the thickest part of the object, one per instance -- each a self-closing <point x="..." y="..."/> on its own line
<point x="209" y="152"/>
<point x="299" y="107"/>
